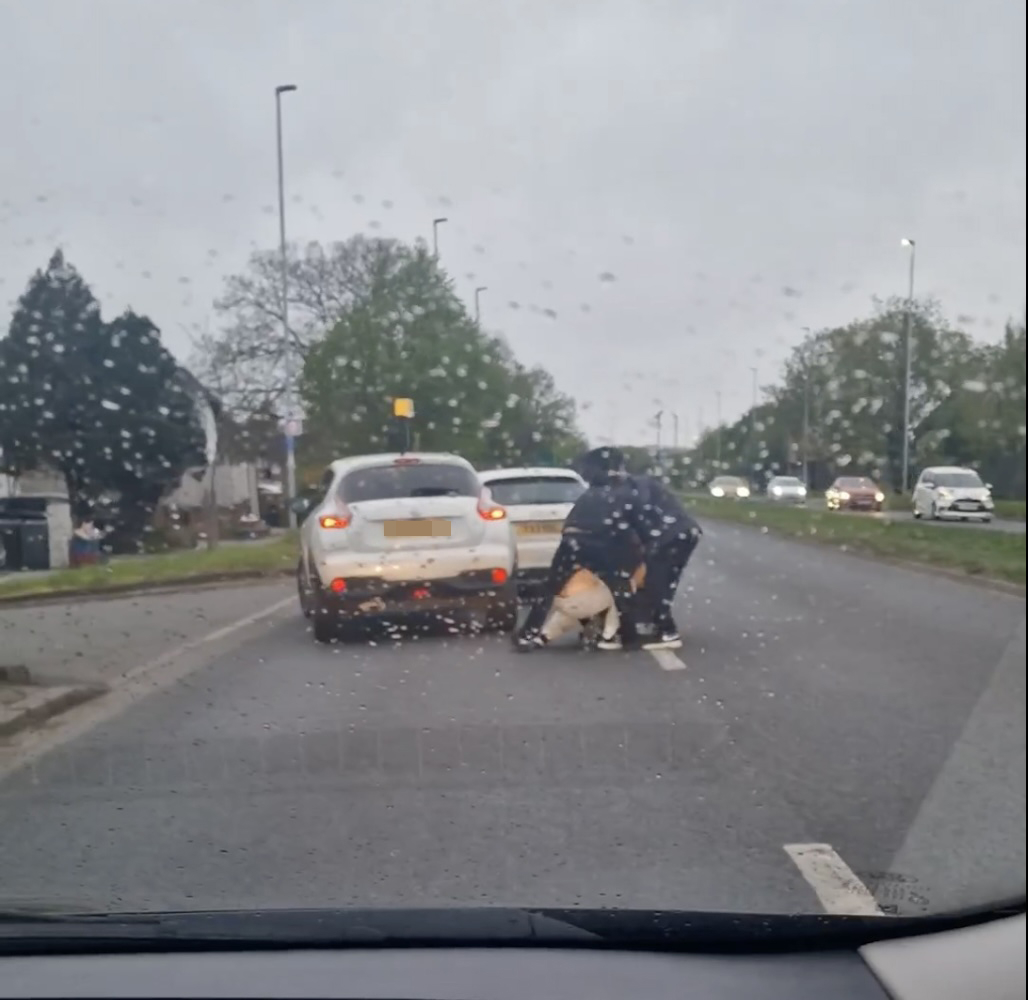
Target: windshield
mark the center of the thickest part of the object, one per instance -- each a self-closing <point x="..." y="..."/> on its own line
<point x="958" y="480"/>
<point x="282" y="283"/>
<point x="536" y="490"/>
<point x="391" y="482"/>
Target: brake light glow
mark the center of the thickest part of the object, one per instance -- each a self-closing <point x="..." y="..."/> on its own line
<point x="338" y="585"/>
<point x="488" y="510"/>
<point x="340" y="519"/>
<point x="406" y="461"/>
<point x="499" y="576"/>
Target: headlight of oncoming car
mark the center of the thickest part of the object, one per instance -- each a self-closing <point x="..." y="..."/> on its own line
<point x="879" y="497"/>
<point x="716" y="491"/>
<point x="743" y="491"/>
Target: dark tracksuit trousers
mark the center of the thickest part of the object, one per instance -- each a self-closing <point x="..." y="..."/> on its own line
<point x="664" y="567"/>
<point x="608" y="559"/>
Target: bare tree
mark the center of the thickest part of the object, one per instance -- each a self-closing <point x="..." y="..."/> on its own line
<point x="243" y="361"/>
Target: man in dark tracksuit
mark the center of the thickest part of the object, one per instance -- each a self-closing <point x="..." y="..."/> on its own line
<point x="669" y="536"/>
<point x="596" y="537"/>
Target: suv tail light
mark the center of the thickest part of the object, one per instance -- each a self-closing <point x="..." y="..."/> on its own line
<point x="340" y="519"/>
<point x="488" y="509"/>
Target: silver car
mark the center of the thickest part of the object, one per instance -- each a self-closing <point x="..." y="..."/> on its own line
<point x="786" y="489"/>
<point x="538" y="501"/>
<point x="396" y="536"/>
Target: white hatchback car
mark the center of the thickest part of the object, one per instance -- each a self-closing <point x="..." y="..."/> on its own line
<point x="950" y="492"/>
<point x="400" y="535"/>
<point x="538" y="501"/>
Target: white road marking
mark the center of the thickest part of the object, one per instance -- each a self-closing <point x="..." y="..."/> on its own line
<point x="833" y="881"/>
<point x="148" y="678"/>
<point x="666" y="659"/>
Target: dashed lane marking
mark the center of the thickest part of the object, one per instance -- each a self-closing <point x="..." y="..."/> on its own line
<point x="833" y="881"/>
<point x="666" y="659"/>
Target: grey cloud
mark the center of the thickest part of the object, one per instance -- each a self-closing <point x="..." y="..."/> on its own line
<point x="655" y="142"/>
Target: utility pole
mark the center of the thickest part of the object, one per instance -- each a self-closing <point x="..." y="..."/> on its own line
<point x="718" y="446"/>
<point x="907" y="350"/>
<point x="478" y="304"/>
<point x="674" y="431"/>
<point x="753" y="421"/>
<point x="287" y="345"/>
<point x="806" y="407"/>
<point x="657" y="420"/>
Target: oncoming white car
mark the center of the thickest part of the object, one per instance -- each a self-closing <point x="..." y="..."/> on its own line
<point x="395" y="536"/>
<point x="947" y="492"/>
<point x="538" y="500"/>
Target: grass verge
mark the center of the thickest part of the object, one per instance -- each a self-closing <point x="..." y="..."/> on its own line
<point x="1010" y="510"/>
<point x="230" y="560"/>
<point x="996" y="555"/>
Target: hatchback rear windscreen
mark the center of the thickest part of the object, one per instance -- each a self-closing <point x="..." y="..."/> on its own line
<point x="392" y="482"/>
<point x="536" y="489"/>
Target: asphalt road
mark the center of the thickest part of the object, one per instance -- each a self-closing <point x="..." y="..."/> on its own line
<point x="824" y="700"/>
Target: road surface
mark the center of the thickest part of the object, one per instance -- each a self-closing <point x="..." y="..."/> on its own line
<point x="830" y="725"/>
<point x="999" y="524"/>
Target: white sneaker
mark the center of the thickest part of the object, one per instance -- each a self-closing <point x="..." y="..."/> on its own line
<point x="665" y="640"/>
<point x="610" y="644"/>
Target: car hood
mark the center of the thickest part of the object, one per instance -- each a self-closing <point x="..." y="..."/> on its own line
<point x="964" y="492"/>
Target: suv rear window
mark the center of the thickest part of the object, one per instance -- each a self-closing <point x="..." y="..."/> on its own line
<point x="424" y="479"/>
<point x="535" y="489"/>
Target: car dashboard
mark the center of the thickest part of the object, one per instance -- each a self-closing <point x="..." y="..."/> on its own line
<point x="983" y="962"/>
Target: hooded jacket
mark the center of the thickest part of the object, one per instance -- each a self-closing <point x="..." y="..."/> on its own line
<point x="653" y="511"/>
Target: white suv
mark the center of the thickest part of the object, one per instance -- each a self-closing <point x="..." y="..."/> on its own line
<point x="395" y="536"/>
<point x="949" y="492"/>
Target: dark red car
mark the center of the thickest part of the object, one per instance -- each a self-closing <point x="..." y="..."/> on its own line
<point x="854" y="493"/>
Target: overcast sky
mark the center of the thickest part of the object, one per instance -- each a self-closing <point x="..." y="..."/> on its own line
<point x="743" y="168"/>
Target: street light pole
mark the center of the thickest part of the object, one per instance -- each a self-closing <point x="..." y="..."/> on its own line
<point x="753" y="419"/>
<point x="478" y="305"/>
<point x="657" y="420"/>
<point x="436" y="223"/>
<point x="907" y="350"/>
<point x="718" y="453"/>
<point x="806" y="408"/>
<point x="287" y="88"/>
<point x="674" y="431"/>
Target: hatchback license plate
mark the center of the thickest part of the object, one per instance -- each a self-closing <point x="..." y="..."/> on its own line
<point x="417" y="529"/>
<point x="539" y="527"/>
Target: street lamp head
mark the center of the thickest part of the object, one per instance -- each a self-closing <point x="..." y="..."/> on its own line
<point x="907" y="242"/>
<point x="481" y="288"/>
<point x="285" y="88"/>
<point x="436" y="222"/>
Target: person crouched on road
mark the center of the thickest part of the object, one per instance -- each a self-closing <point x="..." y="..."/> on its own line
<point x="584" y="600"/>
<point x="669" y="537"/>
<point x="597" y="538"/>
